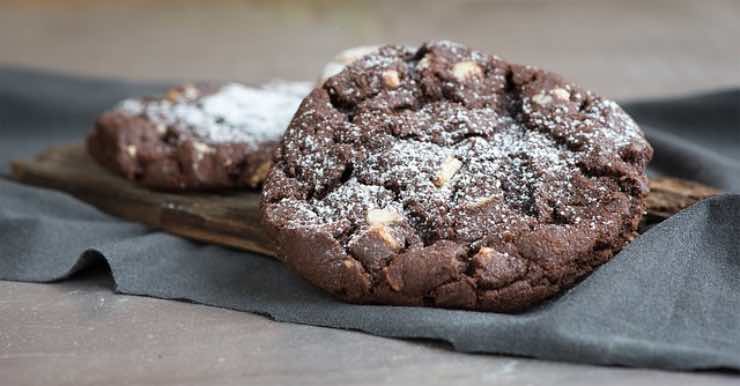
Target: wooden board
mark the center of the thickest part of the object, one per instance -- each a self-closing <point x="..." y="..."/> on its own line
<point x="230" y="219"/>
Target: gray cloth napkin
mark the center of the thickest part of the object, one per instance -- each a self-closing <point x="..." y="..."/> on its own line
<point x="671" y="299"/>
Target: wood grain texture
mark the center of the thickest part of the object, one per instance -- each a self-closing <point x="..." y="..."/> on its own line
<point x="230" y="219"/>
<point x="670" y="195"/>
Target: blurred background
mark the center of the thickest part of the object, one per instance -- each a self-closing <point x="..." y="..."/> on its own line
<point x="622" y="49"/>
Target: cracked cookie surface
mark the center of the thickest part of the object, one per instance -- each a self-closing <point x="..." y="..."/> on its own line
<point x="204" y="137"/>
<point x="443" y="176"/>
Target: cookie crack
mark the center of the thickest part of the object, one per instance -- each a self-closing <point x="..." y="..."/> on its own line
<point x="519" y="189"/>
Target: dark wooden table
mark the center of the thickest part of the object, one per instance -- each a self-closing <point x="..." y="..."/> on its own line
<point x="79" y="332"/>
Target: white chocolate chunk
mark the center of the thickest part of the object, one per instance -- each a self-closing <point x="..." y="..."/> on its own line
<point x="382" y="232"/>
<point x="391" y="79"/>
<point x="201" y="147"/>
<point x="483" y="201"/>
<point x="382" y="216"/>
<point x="131" y="150"/>
<point x="561" y="93"/>
<point x="447" y="170"/>
<point x="190" y="92"/>
<point x="485" y="254"/>
<point x="184" y="92"/>
<point x="463" y="71"/>
<point x="423" y="63"/>
<point x="542" y="99"/>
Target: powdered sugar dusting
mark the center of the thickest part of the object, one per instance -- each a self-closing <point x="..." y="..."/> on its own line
<point x="234" y="113"/>
<point x="446" y="177"/>
<point x="517" y="159"/>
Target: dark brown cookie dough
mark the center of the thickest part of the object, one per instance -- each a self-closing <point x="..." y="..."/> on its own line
<point x="203" y="137"/>
<point x="447" y="177"/>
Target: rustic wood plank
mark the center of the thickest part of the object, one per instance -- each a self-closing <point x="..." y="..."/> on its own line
<point x="670" y="195"/>
<point x="228" y="219"/>
<point x="231" y="219"/>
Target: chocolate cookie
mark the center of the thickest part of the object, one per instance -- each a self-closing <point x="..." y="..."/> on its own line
<point x="203" y="137"/>
<point x="447" y="177"/>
